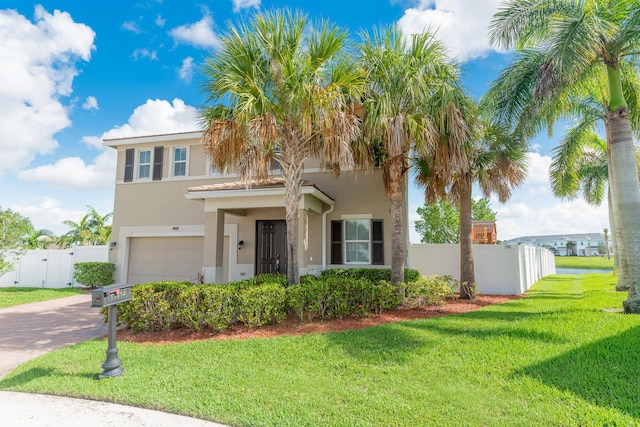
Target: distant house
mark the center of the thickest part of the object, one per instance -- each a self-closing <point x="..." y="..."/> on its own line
<point x="484" y="233"/>
<point x="177" y="218"/>
<point x="585" y="244"/>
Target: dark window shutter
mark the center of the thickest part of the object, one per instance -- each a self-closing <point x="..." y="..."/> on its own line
<point x="377" y="242"/>
<point x="157" y="163"/>
<point x="336" y="242"/>
<point x="128" y="164"/>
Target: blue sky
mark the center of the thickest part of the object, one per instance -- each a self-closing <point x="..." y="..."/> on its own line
<point x="73" y="73"/>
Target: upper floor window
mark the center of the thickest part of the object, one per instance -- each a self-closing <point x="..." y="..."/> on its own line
<point x="180" y="161"/>
<point x="144" y="164"/>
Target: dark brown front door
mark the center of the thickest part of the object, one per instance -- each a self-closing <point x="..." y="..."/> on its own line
<point x="271" y="251"/>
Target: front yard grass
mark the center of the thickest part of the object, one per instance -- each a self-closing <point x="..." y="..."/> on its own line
<point x="554" y="358"/>
<point x="590" y="263"/>
<point x="15" y="295"/>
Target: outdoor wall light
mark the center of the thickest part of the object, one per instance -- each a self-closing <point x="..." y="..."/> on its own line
<point x="240" y="243"/>
<point x="111" y="245"/>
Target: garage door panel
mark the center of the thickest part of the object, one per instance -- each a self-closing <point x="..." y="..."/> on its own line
<point x="153" y="259"/>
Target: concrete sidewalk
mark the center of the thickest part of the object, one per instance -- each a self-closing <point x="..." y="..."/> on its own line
<point x="29" y="330"/>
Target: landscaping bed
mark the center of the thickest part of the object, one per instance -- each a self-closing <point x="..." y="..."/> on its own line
<point x="292" y="325"/>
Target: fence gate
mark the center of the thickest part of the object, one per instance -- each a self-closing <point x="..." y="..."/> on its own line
<point x="51" y="268"/>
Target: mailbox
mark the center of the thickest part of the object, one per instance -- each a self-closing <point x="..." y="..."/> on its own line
<point x="110" y="295"/>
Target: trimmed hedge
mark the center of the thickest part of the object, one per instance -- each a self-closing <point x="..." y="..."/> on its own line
<point x="169" y="305"/>
<point x="328" y="297"/>
<point x="266" y="299"/>
<point x="373" y="275"/>
<point x="94" y="274"/>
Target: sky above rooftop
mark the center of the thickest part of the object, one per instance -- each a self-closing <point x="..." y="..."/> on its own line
<point x="73" y="73"/>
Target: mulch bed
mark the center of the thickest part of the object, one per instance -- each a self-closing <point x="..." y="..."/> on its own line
<point x="292" y="325"/>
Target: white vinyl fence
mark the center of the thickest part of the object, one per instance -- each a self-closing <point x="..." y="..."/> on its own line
<point x="51" y="268"/>
<point x="499" y="269"/>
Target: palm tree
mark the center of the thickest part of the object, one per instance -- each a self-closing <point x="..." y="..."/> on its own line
<point x="497" y="164"/>
<point x="411" y="105"/>
<point x="605" y="231"/>
<point x="281" y="89"/>
<point x="571" y="42"/>
<point x="91" y="230"/>
<point x="35" y="239"/>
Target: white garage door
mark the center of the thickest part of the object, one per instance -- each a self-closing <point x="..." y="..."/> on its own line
<point x="154" y="259"/>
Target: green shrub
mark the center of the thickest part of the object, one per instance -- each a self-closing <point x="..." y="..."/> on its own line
<point x="373" y="275"/>
<point x="262" y="304"/>
<point x="328" y="297"/>
<point x="429" y="290"/>
<point x="94" y="274"/>
<point x="153" y="306"/>
<point x="211" y="305"/>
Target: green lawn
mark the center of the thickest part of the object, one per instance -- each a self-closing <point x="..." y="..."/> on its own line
<point x="555" y="358"/>
<point x="16" y="296"/>
<point x="591" y="263"/>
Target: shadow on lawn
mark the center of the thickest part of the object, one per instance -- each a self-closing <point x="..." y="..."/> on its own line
<point x="32" y="374"/>
<point x="389" y="343"/>
<point x="604" y="373"/>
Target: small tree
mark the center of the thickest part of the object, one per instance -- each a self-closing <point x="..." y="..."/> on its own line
<point x="13" y="228"/>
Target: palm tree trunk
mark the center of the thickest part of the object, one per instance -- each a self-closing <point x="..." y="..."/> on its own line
<point x="467" y="274"/>
<point x="291" y="163"/>
<point x="626" y="201"/>
<point x="395" y="194"/>
<point x="618" y="240"/>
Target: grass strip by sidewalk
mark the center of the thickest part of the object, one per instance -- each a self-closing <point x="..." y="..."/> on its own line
<point x="16" y="296"/>
<point x="588" y="263"/>
<point x="554" y="358"/>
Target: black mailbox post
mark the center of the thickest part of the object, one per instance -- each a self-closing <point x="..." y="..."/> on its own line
<point x="110" y="296"/>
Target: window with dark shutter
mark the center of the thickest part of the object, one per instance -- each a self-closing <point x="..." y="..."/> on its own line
<point x="157" y="163"/>
<point x="129" y="155"/>
<point x="377" y="242"/>
<point x="336" y="242"/>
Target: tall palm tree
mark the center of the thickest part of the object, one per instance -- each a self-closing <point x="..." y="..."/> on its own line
<point x="497" y="163"/>
<point x="411" y="105"/>
<point x="572" y="41"/>
<point x="605" y="231"/>
<point x="281" y="89"/>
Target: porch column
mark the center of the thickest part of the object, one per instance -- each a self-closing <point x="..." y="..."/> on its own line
<point x="213" y="267"/>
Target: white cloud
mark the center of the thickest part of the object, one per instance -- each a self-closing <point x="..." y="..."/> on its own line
<point x="156" y="117"/>
<point x="91" y="103"/>
<point x="45" y="212"/>
<point x="72" y="172"/>
<point x="38" y="67"/>
<point x="131" y="26"/>
<point x="199" y="34"/>
<point x="537" y="168"/>
<point x="245" y="4"/>
<point x="186" y="71"/>
<point x="160" y="21"/>
<point x="460" y="24"/>
<point x="145" y="53"/>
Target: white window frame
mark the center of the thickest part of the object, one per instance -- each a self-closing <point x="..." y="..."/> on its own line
<point x="149" y="165"/>
<point x="356" y="241"/>
<point x="185" y="161"/>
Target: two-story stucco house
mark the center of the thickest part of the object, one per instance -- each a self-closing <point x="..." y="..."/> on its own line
<point x="175" y="218"/>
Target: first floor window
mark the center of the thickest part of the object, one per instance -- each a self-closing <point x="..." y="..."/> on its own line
<point x="180" y="161"/>
<point x="357" y="241"/>
<point x="144" y="164"/>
